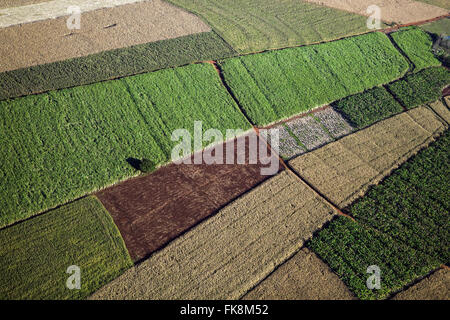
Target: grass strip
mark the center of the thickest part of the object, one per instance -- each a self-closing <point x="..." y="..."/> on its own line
<point x="113" y="64"/>
<point x="35" y="254"/>
<point x="363" y="109"/>
<point x="278" y="84"/>
<point x="58" y="146"/>
<point x="417" y="46"/>
<point x="422" y="87"/>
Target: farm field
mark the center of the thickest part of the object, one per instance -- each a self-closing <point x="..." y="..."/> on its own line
<point x="106" y="29"/>
<point x="437" y="27"/>
<point x="399" y="11"/>
<point x="439" y="3"/>
<point x="441" y="109"/>
<point x="303" y="277"/>
<point x="35" y="254"/>
<point x="18" y="3"/>
<point x="113" y="64"/>
<point x="226" y="255"/>
<point x="275" y="85"/>
<point x="257" y="25"/>
<point x="64" y="144"/>
<point x="420" y="88"/>
<point x="152" y="210"/>
<point x="343" y="170"/>
<point x="407" y="229"/>
<point x="417" y="45"/>
<point x="434" y="287"/>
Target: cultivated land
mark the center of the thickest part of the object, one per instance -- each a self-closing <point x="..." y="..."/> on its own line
<point x="401" y="226"/>
<point x="35" y="254"/>
<point x="152" y="210"/>
<point x="275" y="85"/>
<point x="112" y="64"/>
<point x="303" y="277"/>
<point x="441" y="109"/>
<point x="417" y="45"/>
<point x="439" y="3"/>
<point x="39" y="10"/>
<point x="256" y="25"/>
<point x="434" y="287"/>
<point x="105" y="29"/>
<point x="398" y="11"/>
<point x="61" y="145"/>
<point x="231" y="252"/>
<point x="438" y="27"/>
<point x="18" y="3"/>
<point x="343" y="170"/>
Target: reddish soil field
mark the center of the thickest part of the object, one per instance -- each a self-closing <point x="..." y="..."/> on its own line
<point x="152" y="210"/>
<point x="446" y="91"/>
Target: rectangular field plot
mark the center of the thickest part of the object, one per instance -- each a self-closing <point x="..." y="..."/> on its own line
<point x="154" y="209"/>
<point x="417" y="46"/>
<point x="256" y="25"/>
<point x="61" y="145"/>
<point x="229" y="253"/>
<point x="434" y="287"/>
<point x="276" y="85"/>
<point x="350" y="248"/>
<point x="35" y="254"/>
<point x="344" y="170"/>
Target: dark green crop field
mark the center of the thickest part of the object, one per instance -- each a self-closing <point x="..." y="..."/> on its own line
<point x="365" y="108"/>
<point x="35" y="254"/>
<point x="278" y="84"/>
<point x="256" y="25"/>
<point x="422" y="87"/>
<point x="417" y="45"/>
<point x="61" y="145"/>
<point x="114" y="64"/>
<point x="402" y="226"/>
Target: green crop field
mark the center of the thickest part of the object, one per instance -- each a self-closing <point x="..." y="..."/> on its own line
<point x="61" y="145"/>
<point x="368" y="107"/>
<point x="417" y="45"/>
<point x="114" y="64"/>
<point x="402" y="226"/>
<point x="35" y="254"/>
<point x="256" y="25"/>
<point x="350" y="248"/>
<point x="278" y="84"/>
<point x="422" y="87"/>
<point x="438" y="27"/>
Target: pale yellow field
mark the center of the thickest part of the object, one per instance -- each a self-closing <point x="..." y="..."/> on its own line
<point x="434" y="287"/>
<point x="303" y="277"/>
<point x="228" y="254"/>
<point x="442" y="109"/>
<point x="399" y="11"/>
<point x="344" y="170"/>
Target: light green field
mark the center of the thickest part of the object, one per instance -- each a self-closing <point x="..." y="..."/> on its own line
<point x="256" y="25"/>
<point x="278" y="84"/>
<point x="35" y="254"/>
<point x="61" y="145"/>
<point x="438" y="27"/>
<point x="438" y="3"/>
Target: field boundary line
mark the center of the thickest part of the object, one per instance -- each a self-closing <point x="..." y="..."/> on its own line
<point x="412" y="66"/>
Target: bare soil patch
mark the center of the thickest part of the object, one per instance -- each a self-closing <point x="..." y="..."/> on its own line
<point x="105" y="29"/>
<point x="18" y="3"/>
<point x="434" y="287"/>
<point x="303" y="277"/>
<point x="154" y="209"/>
<point x="398" y="11"/>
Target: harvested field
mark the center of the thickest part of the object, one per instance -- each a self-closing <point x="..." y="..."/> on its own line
<point x="276" y="85"/>
<point x="229" y="253"/>
<point x="303" y="277"/>
<point x="334" y="123"/>
<point x="35" y="254"/>
<point x="112" y="64"/>
<point x="154" y="209"/>
<point x="350" y="248"/>
<point x="343" y="170"/>
<point x="365" y="108"/>
<point x="256" y="25"/>
<point x="412" y="204"/>
<point x="422" y="87"/>
<point x="309" y="131"/>
<point x="288" y="146"/>
<point x="106" y="29"/>
<point x="434" y="287"/>
<point x="398" y="11"/>
<point x="43" y="10"/>
<point x="18" y="3"/>
<point x="417" y="45"/>
<point x="79" y="139"/>
<point x="441" y="109"/>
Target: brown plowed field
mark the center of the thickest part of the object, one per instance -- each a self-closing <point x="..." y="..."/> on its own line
<point x="152" y="210"/>
<point x="434" y="287"/>
<point x="104" y="29"/>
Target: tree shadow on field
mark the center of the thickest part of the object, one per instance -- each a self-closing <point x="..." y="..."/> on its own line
<point x="135" y="163"/>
